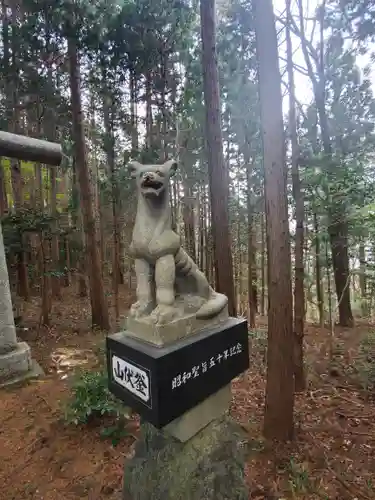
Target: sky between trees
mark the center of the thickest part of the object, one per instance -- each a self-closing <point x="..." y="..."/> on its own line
<point x="303" y="85"/>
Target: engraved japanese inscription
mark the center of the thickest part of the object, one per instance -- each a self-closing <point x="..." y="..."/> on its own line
<point x="132" y="378"/>
<point x="198" y="370"/>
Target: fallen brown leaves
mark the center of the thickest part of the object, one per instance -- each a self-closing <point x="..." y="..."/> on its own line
<point x="332" y="457"/>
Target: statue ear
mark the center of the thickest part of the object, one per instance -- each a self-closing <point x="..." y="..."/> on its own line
<point x="170" y="167"/>
<point x="134" y="167"/>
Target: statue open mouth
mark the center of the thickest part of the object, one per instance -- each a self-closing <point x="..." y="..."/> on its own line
<point x="151" y="185"/>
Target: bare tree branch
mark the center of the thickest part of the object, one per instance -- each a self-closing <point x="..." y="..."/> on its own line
<point x="301" y="32"/>
<point x="297" y="67"/>
<point x="299" y="104"/>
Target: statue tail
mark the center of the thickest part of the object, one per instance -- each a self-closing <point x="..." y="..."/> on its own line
<point x="184" y="263"/>
<point x="215" y="302"/>
<point x="214" y="305"/>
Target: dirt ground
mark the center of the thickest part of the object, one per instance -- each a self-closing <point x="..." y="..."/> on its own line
<point x="333" y="456"/>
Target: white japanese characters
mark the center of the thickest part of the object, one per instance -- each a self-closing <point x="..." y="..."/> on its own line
<point x="131" y="377"/>
<point x="204" y="366"/>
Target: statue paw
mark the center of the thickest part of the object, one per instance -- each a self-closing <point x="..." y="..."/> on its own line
<point x="163" y="314"/>
<point x="141" y="308"/>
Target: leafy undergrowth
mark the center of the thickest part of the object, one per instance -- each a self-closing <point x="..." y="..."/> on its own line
<point x="90" y="402"/>
<point x="333" y="456"/>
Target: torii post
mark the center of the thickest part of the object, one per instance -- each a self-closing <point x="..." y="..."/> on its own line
<point x="15" y="357"/>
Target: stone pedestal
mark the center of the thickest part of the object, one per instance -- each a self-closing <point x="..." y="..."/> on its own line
<point x="16" y="361"/>
<point x="192" y="450"/>
<point x="16" y="365"/>
<point x="183" y="385"/>
<point x="209" y="466"/>
<point x="15" y="357"/>
<point x="196" y="419"/>
<point x="182" y="327"/>
<point x="174" y="363"/>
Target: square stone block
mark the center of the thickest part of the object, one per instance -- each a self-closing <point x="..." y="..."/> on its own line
<point x="15" y="362"/>
<point x="177" y="329"/>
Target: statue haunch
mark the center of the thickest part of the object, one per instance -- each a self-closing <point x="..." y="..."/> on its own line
<point x="163" y="269"/>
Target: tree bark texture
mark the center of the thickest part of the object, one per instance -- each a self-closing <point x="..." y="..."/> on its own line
<point x="363" y="277"/>
<point x="278" y="420"/>
<point x="299" y="292"/>
<point x="109" y="143"/>
<point x="318" y="272"/>
<point x="263" y="265"/>
<point x="100" y="316"/>
<point x="251" y="252"/>
<point x="218" y="174"/>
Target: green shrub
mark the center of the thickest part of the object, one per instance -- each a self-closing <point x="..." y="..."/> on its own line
<point x="299" y="479"/>
<point x="91" y="399"/>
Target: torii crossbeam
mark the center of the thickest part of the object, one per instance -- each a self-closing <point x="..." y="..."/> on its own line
<point x="30" y="149"/>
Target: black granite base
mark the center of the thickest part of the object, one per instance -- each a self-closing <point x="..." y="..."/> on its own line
<point x="162" y="383"/>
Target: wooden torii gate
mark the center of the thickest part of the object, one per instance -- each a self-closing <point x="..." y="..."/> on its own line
<point x="15" y="357"/>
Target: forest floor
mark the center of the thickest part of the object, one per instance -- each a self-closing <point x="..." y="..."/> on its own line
<point x="333" y="456"/>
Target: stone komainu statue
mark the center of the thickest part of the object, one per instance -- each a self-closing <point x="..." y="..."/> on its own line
<point x="169" y="283"/>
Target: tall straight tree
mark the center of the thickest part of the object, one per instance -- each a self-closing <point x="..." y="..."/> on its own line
<point x="278" y="419"/>
<point x="99" y="306"/>
<point x="338" y="227"/>
<point x="217" y="172"/>
<point x="299" y="293"/>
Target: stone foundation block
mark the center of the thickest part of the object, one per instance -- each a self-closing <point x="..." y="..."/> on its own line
<point x="15" y="362"/>
<point x="191" y="422"/>
<point x="210" y="466"/>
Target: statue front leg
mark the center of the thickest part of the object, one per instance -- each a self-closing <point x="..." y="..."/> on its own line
<point x="145" y="297"/>
<point x="165" y="273"/>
